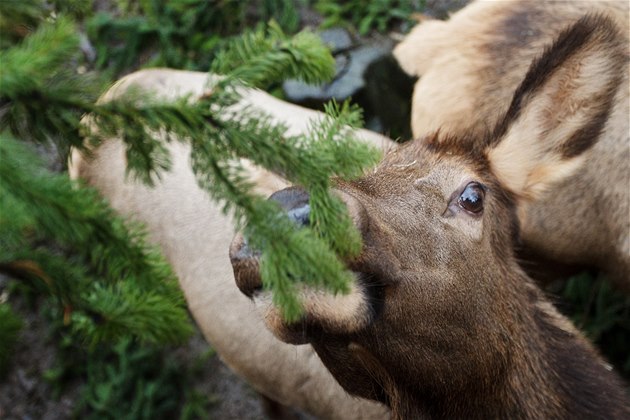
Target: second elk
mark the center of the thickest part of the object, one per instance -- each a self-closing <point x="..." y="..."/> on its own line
<point x="469" y="68"/>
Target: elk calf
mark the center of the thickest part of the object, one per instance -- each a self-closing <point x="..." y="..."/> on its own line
<point x="441" y="321"/>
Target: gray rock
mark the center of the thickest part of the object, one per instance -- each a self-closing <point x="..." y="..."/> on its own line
<point x="351" y="65"/>
<point x="337" y="39"/>
<point x="28" y="384"/>
<point x="369" y="76"/>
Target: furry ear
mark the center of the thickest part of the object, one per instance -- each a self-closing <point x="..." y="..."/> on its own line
<point x="423" y="45"/>
<point x="560" y="108"/>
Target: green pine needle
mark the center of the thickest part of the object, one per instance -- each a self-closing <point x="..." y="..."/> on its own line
<point x="105" y="254"/>
<point x="261" y="57"/>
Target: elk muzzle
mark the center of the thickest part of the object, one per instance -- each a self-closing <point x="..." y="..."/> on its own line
<point x="323" y="310"/>
<point x="245" y="260"/>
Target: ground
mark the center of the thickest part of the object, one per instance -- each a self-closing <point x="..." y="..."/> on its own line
<point x="25" y="394"/>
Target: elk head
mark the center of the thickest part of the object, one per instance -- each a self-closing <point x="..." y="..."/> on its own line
<point x="441" y="321"/>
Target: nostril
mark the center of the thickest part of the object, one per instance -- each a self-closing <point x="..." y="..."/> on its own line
<point x="300" y="215"/>
<point x="295" y="201"/>
<point x="245" y="259"/>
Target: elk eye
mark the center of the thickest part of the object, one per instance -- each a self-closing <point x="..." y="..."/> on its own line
<point x="471" y="199"/>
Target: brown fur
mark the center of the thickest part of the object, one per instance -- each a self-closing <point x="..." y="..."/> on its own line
<point x="455" y="328"/>
<point x="469" y="68"/>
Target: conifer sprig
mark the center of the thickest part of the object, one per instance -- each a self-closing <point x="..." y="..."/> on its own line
<point x="262" y="56"/>
<point x="43" y="98"/>
<point x="98" y="263"/>
<point x="289" y="255"/>
<point x="16" y="19"/>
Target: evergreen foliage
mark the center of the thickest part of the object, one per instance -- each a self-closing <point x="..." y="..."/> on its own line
<point x="130" y="380"/>
<point x="261" y="57"/>
<point x="285" y="12"/>
<point x="44" y="96"/>
<point x="377" y="15"/>
<point x="310" y="161"/>
<point x="123" y="383"/>
<point x="99" y="269"/>
<point x="177" y="33"/>
<point x="602" y="312"/>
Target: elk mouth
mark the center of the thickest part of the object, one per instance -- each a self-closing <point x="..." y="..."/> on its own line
<point x="324" y="314"/>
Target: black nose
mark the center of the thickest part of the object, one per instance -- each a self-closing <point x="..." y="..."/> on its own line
<point x="245" y="260"/>
<point x="295" y="201"/>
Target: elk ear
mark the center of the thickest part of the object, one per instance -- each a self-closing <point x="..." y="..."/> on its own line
<point x="560" y="109"/>
<point x="420" y="48"/>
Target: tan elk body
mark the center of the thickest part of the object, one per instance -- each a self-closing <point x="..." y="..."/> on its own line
<point x="444" y="323"/>
<point x="193" y="234"/>
<point x="469" y="67"/>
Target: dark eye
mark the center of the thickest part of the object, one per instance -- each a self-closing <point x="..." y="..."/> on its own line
<point x="471" y="199"/>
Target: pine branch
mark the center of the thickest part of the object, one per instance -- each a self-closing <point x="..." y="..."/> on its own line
<point x="17" y="18"/>
<point x="289" y="255"/>
<point x="108" y="254"/>
<point x="114" y="311"/>
<point x="261" y="57"/>
<point x="219" y="134"/>
<point x="43" y="99"/>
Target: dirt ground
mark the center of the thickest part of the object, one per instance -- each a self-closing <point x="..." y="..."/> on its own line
<point x="25" y="395"/>
<point x="23" y="392"/>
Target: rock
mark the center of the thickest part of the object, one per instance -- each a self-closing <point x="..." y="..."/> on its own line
<point x="28" y="384"/>
<point x="337" y="39"/>
<point x="386" y="98"/>
<point x="348" y="80"/>
<point x="366" y="73"/>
